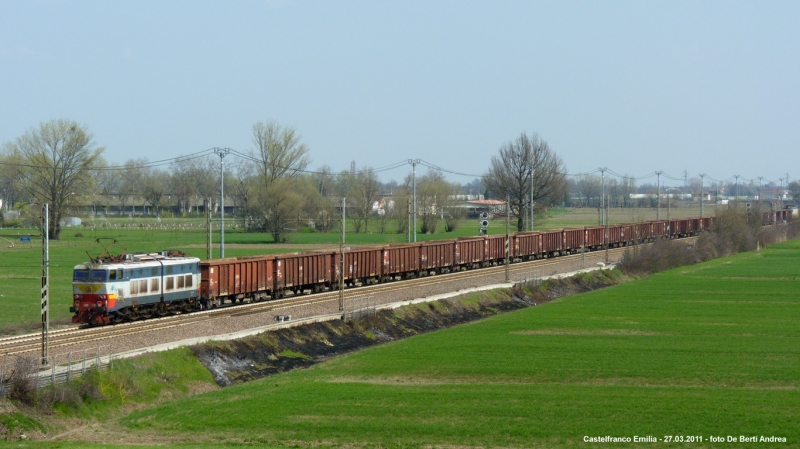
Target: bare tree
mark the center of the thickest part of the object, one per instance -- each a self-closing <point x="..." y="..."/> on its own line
<point x="108" y="183"/>
<point x="525" y="168"/>
<point x="183" y="190"/>
<point x="794" y="190"/>
<point x="400" y="209"/>
<point x="155" y="183"/>
<point x="281" y="158"/>
<point x="433" y="192"/>
<point x="587" y="187"/>
<point x="280" y="152"/>
<point x="322" y="206"/>
<point x="132" y="185"/>
<point x="453" y="214"/>
<point x="10" y="187"/>
<point x="612" y="192"/>
<point x="58" y="156"/>
<point x="243" y="183"/>
<point x="628" y="188"/>
<point x="363" y="191"/>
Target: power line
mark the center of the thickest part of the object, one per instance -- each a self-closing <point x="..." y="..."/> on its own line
<point x="123" y="167"/>
<point x="399" y="164"/>
<point x="314" y="172"/>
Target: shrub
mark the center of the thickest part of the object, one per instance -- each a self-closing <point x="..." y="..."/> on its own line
<point x="734" y="231"/>
<point x="22" y="381"/>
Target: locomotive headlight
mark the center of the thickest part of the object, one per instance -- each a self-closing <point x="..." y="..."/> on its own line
<point x="76" y="296"/>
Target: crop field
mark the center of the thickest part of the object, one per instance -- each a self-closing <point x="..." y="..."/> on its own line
<point x="20" y="266"/>
<point x="706" y="350"/>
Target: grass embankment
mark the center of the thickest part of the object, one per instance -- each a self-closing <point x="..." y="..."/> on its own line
<point x="87" y="405"/>
<point x="711" y="349"/>
<point x="286" y="349"/>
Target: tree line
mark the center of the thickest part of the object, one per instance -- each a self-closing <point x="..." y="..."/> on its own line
<point x="270" y="187"/>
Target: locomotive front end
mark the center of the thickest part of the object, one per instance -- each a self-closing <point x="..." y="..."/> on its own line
<point x="93" y="294"/>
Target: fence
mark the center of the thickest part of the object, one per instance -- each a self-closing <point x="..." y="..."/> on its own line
<point x="54" y="369"/>
<point x="359" y="307"/>
<point x="531" y="277"/>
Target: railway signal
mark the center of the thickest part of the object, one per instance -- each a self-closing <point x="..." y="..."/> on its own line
<point x="484" y="223"/>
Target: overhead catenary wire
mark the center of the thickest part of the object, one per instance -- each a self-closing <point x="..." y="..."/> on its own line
<point x="317" y="172"/>
<point x="393" y="166"/>
<point x="148" y="164"/>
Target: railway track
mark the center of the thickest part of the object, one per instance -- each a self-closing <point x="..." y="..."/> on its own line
<point x="15" y="346"/>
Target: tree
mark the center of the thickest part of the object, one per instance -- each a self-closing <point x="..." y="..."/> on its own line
<point x="433" y="196"/>
<point x="323" y="204"/>
<point x="525" y="168"/>
<point x="196" y="179"/>
<point x="281" y="158"/>
<point x="280" y="152"/>
<point x="794" y="190"/>
<point x="363" y="191"/>
<point x="10" y="188"/>
<point x="628" y="188"/>
<point x="401" y="209"/>
<point x="58" y="157"/>
<point x="242" y="186"/>
<point x="108" y="183"/>
<point x="131" y="182"/>
<point x="155" y="186"/>
<point x="587" y="187"/>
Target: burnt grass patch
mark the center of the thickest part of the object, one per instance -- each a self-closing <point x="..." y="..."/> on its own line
<point x="237" y="361"/>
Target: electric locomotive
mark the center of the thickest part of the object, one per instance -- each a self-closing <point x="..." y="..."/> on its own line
<point x="134" y="286"/>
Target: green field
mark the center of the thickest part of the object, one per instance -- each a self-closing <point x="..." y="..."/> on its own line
<point x="711" y="350"/>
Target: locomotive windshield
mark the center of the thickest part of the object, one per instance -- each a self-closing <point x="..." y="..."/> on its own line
<point x="90" y="275"/>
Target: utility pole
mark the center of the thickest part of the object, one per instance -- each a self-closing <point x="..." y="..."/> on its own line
<point x="221" y="152"/>
<point x="759" y="187"/>
<point x="341" y="260"/>
<point x="45" y="282"/>
<point x="531" y="202"/>
<point x="669" y="204"/>
<point x="508" y="220"/>
<point x="408" y="207"/>
<point x="702" y="175"/>
<point x="414" y="163"/>
<point x="736" y="199"/>
<point x="209" y="254"/>
<point x="603" y="197"/>
<point x="658" y="194"/>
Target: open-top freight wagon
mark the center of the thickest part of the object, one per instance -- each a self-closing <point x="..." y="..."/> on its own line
<point x="149" y="285"/>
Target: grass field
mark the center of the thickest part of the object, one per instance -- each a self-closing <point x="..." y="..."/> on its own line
<point x="20" y="272"/>
<point x="709" y="350"/>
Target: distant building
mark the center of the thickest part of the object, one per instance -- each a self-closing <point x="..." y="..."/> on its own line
<point x="492" y="207"/>
<point x="70" y="222"/>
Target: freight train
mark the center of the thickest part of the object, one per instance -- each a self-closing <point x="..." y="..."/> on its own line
<point x="111" y="290"/>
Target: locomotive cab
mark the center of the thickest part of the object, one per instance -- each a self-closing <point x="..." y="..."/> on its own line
<point x="140" y="286"/>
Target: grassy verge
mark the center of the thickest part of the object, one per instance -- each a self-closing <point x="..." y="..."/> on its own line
<point x="101" y="396"/>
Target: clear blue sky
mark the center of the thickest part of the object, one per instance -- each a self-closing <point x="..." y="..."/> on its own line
<point x="633" y="86"/>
